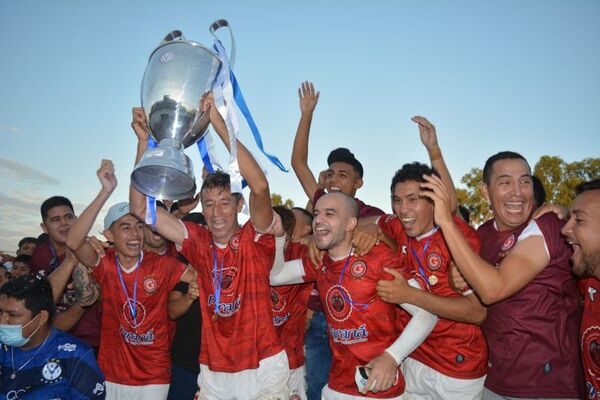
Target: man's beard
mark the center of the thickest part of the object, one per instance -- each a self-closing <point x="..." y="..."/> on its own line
<point x="589" y="263"/>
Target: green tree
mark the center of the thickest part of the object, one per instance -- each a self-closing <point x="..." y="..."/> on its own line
<point x="558" y="177"/>
<point x="277" y="200"/>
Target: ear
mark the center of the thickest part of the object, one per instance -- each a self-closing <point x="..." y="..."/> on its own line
<point x="44" y="317"/>
<point x="484" y="189"/>
<point x="43" y="226"/>
<point x="351" y="224"/>
<point x="358" y="183"/>
<point x="240" y="204"/>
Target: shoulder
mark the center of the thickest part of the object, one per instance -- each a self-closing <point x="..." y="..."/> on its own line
<point x="487" y="227"/>
<point x="365" y="210"/>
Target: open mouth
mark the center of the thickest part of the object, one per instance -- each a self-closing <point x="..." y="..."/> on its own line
<point x="514" y="206"/>
<point x="408" y="222"/>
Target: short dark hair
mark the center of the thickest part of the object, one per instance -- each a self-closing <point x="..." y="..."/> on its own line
<point x="344" y="155"/>
<point x="305" y="213"/>
<point x="25" y="259"/>
<point x="195" y="217"/>
<point x="26" y="240"/>
<point x="218" y="180"/>
<point x="464" y="213"/>
<point x="287" y="219"/>
<point x="594" y="184"/>
<point x="503" y="155"/>
<point x="54" y="201"/>
<point x="412" y="172"/>
<point x="35" y="290"/>
<point x="539" y="193"/>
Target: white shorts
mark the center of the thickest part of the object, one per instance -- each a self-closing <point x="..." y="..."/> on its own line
<point x="267" y="382"/>
<point x="330" y="394"/>
<point x="425" y="383"/>
<point x="297" y="384"/>
<point x="116" y="391"/>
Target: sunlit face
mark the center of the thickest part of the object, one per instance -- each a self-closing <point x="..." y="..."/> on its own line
<point x="510" y="193"/>
<point x="58" y="223"/>
<point x="19" y="268"/>
<point x="341" y="177"/>
<point x="14" y="312"/>
<point x="127" y="235"/>
<point x="332" y="223"/>
<point x="27" y="248"/>
<point x="220" y="208"/>
<point x="583" y="232"/>
<point x="152" y="239"/>
<point x="415" y="212"/>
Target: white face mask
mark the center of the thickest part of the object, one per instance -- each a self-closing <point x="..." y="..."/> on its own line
<point x="12" y="335"/>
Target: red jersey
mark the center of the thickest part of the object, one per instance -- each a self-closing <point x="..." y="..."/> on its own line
<point x="590" y="336"/>
<point x="533" y="334"/>
<point x="289" y="306"/>
<point x="360" y="325"/>
<point x="241" y="333"/>
<point x="455" y="349"/>
<point x="136" y="351"/>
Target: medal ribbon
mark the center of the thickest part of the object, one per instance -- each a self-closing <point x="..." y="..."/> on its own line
<point x="217" y="277"/>
<point x="131" y="303"/>
<point x="150" y="217"/>
<point x="423" y="254"/>
<point x="356" y="306"/>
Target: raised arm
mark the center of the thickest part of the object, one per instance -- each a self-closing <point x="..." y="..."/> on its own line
<point x="308" y="101"/>
<point x="517" y="269"/>
<point x="429" y="140"/>
<point x="166" y="224"/>
<point x="76" y="240"/>
<point x="261" y="213"/>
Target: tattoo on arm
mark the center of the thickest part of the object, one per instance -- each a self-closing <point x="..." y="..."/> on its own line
<point x="86" y="288"/>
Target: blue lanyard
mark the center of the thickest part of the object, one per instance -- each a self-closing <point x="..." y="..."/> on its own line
<point x="131" y="303"/>
<point x="356" y="306"/>
<point x="423" y="254"/>
<point x="217" y="277"/>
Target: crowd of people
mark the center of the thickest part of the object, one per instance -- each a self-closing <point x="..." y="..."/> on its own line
<point x="337" y="300"/>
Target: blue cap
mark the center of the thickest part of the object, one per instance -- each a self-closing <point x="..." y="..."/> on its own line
<point x="115" y="213"/>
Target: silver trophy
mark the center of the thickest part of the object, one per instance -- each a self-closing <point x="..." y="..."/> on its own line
<point x="178" y="74"/>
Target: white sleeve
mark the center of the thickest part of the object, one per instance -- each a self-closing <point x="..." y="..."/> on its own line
<point x="415" y="332"/>
<point x="285" y="273"/>
<point x="533" y="229"/>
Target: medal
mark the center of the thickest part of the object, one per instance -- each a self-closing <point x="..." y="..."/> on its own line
<point x="13" y="375"/>
<point x="214" y="317"/>
<point x="433" y="280"/>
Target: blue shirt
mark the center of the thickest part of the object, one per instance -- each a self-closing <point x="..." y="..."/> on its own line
<point x="64" y="368"/>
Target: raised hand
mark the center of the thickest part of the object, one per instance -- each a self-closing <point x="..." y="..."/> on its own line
<point x="427" y="132"/>
<point x="393" y="291"/>
<point x="434" y="189"/>
<point x="139" y="123"/>
<point x="192" y="292"/>
<point x="106" y="175"/>
<point x="364" y="238"/>
<point x="308" y="97"/>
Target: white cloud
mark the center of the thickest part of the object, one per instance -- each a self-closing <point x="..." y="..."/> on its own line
<point x="6" y="128"/>
<point x="23" y="172"/>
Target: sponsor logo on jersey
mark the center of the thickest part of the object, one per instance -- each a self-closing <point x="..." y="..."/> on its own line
<point x="136" y="339"/>
<point x="434" y="262"/>
<point x="51" y="371"/>
<point x="150" y="285"/>
<point x="508" y="243"/>
<point x="279" y="320"/>
<point x="277" y="302"/>
<point x="226" y="309"/>
<point x="99" y="389"/>
<point x="338" y="308"/>
<point x="404" y="249"/>
<point x="349" y="336"/>
<point x="358" y="269"/>
<point x="67" y="347"/>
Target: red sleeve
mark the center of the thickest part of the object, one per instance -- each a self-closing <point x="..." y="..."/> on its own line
<point x="196" y="243"/>
<point x="468" y="233"/>
<point x="310" y="269"/>
<point x="263" y="243"/>
<point x="173" y="268"/>
<point x="392" y="227"/>
<point x="99" y="272"/>
<point x="390" y="260"/>
<point x="318" y="194"/>
<point x="557" y="244"/>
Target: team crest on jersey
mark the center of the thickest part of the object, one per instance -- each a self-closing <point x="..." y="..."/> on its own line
<point x="339" y="309"/>
<point x="140" y="312"/>
<point x="51" y="371"/>
<point x="227" y="277"/>
<point x="508" y="243"/>
<point x="234" y="242"/>
<point x="434" y="262"/>
<point x="590" y="346"/>
<point x="358" y="269"/>
<point x="277" y="301"/>
<point x="150" y="285"/>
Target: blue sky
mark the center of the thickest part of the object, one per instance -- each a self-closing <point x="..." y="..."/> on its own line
<point x="519" y="75"/>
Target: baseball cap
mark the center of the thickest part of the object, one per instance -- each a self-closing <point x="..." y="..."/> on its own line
<point x="344" y="155"/>
<point x="115" y="213"/>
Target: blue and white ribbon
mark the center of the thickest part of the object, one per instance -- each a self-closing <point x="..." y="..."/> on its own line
<point x="150" y="217"/>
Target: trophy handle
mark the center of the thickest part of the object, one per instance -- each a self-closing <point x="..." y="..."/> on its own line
<point x="173" y="35"/>
<point x="220" y="23"/>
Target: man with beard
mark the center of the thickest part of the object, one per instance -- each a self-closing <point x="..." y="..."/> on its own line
<point x="364" y="331"/>
<point x="523" y="274"/>
<point x="583" y="233"/>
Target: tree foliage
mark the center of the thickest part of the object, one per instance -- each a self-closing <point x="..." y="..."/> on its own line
<point x="558" y="177"/>
<point x="277" y="200"/>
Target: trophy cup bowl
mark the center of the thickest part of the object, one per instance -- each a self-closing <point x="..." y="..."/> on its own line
<point x="178" y="74"/>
